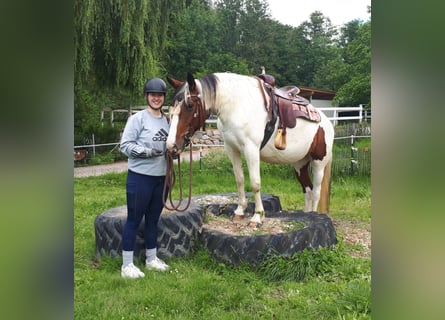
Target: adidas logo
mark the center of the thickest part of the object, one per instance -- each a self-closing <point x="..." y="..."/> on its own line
<point x="161" y="135"/>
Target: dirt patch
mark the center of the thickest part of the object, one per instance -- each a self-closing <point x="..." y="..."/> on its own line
<point x="357" y="234"/>
<point x="269" y="226"/>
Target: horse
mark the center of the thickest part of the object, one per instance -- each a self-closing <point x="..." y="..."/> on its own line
<point x="242" y="108"/>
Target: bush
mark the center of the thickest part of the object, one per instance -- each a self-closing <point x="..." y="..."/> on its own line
<point x="101" y="159"/>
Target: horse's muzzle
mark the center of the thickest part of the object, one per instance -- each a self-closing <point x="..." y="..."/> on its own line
<point x="179" y="146"/>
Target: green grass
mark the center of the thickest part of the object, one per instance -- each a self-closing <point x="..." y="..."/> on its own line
<point x="324" y="284"/>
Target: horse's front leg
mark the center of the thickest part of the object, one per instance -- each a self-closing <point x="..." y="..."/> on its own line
<point x="235" y="158"/>
<point x="253" y="163"/>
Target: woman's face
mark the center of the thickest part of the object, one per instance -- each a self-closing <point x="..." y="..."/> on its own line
<point x="155" y="100"/>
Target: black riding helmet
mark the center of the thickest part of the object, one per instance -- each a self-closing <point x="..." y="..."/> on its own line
<point x="155" y="85"/>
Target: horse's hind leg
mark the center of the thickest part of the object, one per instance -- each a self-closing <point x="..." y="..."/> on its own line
<point x="318" y="173"/>
<point x="303" y="177"/>
<point x="314" y="191"/>
<point x="235" y="158"/>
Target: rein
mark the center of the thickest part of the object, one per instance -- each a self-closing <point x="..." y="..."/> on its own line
<point x="170" y="180"/>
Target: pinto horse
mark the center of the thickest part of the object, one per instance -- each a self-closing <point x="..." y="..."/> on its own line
<point x="241" y="104"/>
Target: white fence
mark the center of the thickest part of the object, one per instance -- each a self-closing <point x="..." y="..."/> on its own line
<point x="333" y="114"/>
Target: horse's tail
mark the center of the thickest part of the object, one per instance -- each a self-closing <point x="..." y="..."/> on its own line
<point x="325" y="192"/>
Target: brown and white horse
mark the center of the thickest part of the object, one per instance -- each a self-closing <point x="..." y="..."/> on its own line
<point x="240" y="103"/>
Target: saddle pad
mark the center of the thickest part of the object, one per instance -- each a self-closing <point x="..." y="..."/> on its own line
<point x="291" y="113"/>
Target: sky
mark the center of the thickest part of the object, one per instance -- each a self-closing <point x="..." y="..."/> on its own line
<point x="294" y="12"/>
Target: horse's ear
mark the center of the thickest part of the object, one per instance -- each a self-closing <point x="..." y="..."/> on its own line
<point x="191" y="81"/>
<point x="175" y="83"/>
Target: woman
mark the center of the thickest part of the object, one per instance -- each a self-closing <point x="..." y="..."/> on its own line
<point x="144" y="143"/>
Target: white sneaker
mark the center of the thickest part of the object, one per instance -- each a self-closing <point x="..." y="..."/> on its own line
<point x="131" y="271"/>
<point x="156" y="264"/>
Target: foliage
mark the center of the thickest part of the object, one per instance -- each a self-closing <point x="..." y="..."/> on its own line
<point x="89" y="104"/>
<point x="317" y="48"/>
<point x="101" y="159"/>
<point x="192" y="39"/>
<point x="119" y="44"/>
<point x="254" y="34"/>
<point x="356" y="69"/>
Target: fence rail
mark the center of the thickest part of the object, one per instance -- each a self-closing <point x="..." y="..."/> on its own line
<point x="348" y="160"/>
<point x="353" y="160"/>
<point x="333" y="113"/>
<point x="336" y="114"/>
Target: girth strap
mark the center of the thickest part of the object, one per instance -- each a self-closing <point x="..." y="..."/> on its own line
<point x="272" y="111"/>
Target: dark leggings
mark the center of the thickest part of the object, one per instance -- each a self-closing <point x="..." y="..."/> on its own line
<point x="144" y="199"/>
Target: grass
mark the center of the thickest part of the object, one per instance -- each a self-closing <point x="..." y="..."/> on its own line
<point x="322" y="284"/>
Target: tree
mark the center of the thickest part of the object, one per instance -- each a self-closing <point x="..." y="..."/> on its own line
<point x="129" y="40"/>
<point x="192" y="39"/>
<point x="280" y="51"/>
<point x="254" y="37"/>
<point x="317" y="47"/>
<point x="119" y="44"/>
<point x="357" y="69"/>
<point x="229" y="13"/>
<point x="349" y="32"/>
<point x="196" y="43"/>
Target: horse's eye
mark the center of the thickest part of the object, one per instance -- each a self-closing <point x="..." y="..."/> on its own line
<point x="189" y="106"/>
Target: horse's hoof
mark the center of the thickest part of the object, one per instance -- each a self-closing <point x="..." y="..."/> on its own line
<point x="256" y="219"/>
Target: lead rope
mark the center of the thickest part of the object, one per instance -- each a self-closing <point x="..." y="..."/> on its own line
<point x="170" y="180"/>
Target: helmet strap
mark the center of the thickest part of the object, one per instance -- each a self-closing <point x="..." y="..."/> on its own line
<point x="154" y="108"/>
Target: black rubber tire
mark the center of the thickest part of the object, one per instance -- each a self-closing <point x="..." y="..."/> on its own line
<point x="235" y="250"/>
<point x="177" y="232"/>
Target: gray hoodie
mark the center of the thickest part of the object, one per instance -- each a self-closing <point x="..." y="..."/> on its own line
<point x="142" y="132"/>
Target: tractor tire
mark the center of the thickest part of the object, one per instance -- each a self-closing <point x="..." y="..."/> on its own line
<point x="235" y="250"/>
<point x="180" y="232"/>
<point x="177" y="232"/>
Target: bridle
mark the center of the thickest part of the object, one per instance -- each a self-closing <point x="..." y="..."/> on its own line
<point x="170" y="178"/>
<point x="200" y="113"/>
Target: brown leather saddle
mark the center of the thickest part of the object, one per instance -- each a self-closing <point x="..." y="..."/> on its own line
<point x="286" y="103"/>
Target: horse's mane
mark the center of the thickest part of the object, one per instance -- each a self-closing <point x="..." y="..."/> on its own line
<point x="209" y="85"/>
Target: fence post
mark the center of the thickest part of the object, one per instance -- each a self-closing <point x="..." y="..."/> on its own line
<point x="94" y="146"/>
<point x="353" y="154"/>
<point x="200" y="158"/>
<point x="360" y="113"/>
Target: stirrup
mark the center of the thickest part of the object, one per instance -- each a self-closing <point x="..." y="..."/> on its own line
<point x="280" y="140"/>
